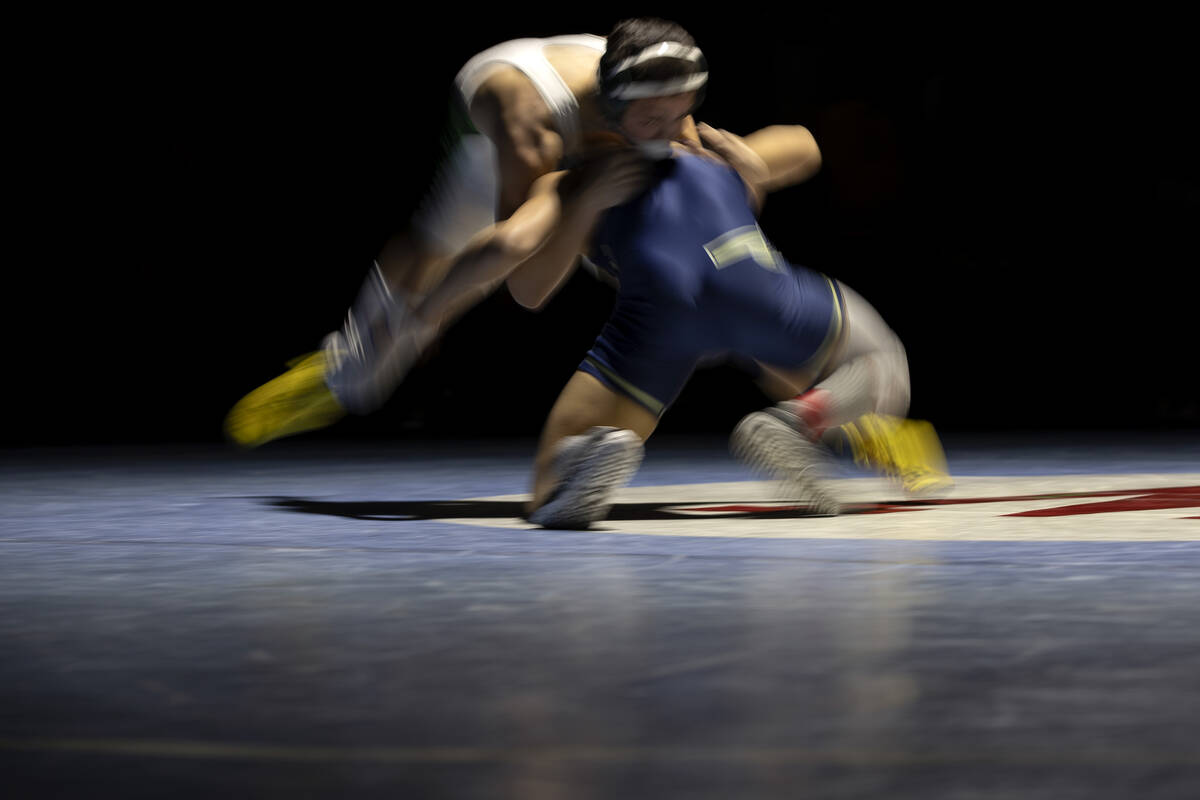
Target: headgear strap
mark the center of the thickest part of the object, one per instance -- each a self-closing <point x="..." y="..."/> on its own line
<point x="634" y="90"/>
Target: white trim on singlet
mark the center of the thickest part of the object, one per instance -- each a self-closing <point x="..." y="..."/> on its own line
<point x="528" y="56"/>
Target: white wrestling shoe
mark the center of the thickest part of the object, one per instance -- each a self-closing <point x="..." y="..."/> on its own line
<point x="593" y="466"/>
<point x="771" y="442"/>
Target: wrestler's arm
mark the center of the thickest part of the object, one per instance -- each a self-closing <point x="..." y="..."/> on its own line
<point x="525" y="155"/>
<point x="790" y="153"/>
<point x="526" y="151"/>
<point x="769" y="159"/>
<point x="491" y="256"/>
<point x="584" y="194"/>
<point x="543" y="274"/>
<point x="544" y="236"/>
<point x="527" y="147"/>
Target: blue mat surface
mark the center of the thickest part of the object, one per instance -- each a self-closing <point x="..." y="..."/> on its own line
<point x="304" y="621"/>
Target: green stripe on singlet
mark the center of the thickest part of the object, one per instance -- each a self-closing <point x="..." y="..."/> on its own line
<point x="458" y="125"/>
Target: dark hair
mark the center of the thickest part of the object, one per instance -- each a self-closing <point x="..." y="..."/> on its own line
<point x="631" y="36"/>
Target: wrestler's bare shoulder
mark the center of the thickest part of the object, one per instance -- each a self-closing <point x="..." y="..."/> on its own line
<point x="576" y="65"/>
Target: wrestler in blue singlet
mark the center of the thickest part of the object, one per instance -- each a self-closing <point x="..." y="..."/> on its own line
<point x="699" y="280"/>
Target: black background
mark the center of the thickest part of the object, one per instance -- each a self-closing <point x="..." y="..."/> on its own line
<point x="200" y="192"/>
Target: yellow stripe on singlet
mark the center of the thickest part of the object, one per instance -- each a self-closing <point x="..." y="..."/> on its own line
<point x="655" y="406"/>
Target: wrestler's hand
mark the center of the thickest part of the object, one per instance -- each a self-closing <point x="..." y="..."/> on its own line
<point x="734" y="150"/>
<point x="688" y="134"/>
<point x="614" y="178"/>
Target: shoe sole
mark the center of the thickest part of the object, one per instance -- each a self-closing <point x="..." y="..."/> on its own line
<point x="585" y="495"/>
<point x="771" y="446"/>
<point x="932" y="484"/>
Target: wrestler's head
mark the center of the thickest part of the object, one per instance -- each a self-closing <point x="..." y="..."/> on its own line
<point x="651" y="77"/>
<point x="657" y="117"/>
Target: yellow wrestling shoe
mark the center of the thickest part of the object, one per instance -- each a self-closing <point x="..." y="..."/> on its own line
<point x="295" y="402"/>
<point x="906" y="450"/>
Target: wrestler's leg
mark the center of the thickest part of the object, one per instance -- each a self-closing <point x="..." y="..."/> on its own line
<point x="859" y="403"/>
<point x="459" y="257"/>
<point x="776" y="443"/>
<point x="360" y="364"/>
<point x="460" y="203"/>
<point x="868" y="373"/>
<point x="585" y="404"/>
<point x="412" y="264"/>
